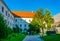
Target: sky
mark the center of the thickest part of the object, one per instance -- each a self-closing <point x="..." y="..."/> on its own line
<point x="34" y="5"/>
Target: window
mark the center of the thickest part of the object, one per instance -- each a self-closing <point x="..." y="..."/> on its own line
<point x="16" y="20"/>
<point x="2" y="9"/>
<point x="6" y="13"/>
<point x="25" y="29"/>
<point x="29" y="20"/>
<point x="20" y="25"/>
<point x="25" y="25"/>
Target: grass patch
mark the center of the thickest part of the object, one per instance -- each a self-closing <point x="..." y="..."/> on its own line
<point x="14" y="37"/>
<point x="52" y="38"/>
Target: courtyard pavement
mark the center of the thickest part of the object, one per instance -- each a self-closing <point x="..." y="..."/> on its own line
<point x="32" y="38"/>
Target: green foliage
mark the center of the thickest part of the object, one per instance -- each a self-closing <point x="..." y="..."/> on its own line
<point x="14" y="37"/>
<point x="37" y="21"/>
<point x="51" y="32"/>
<point x="25" y="33"/>
<point x="48" y="19"/>
<point x="40" y="19"/>
<point x="4" y="29"/>
<point x="34" y="27"/>
<point x="51" y="38"/>
<point x="16" y="29"/>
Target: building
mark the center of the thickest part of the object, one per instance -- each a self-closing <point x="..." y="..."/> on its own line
<point x="6" y="13"/>
<point x="22" y="19"/>
<point x="56" y="24"/>
<point x="56" y="20"/>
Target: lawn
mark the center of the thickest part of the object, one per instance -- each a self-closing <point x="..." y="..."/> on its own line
<point x="52" y="38"/>
<point x="14" y="37"/>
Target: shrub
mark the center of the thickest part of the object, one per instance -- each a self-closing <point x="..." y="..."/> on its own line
<point x="16" y="29"/>
<point x="25" y="33"/>
<point x="4" y="29"/>
<point x="51" y="32"/>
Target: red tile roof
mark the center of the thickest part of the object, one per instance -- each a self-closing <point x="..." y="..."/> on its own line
<point x="23" y="14"/>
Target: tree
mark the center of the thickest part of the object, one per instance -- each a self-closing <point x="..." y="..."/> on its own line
<point x="41" y="19"/>
<point x="48" y="19"/>
<point x="4" y="29"/>
<point x="34" y="28"/>
<point x="38" y="20"/>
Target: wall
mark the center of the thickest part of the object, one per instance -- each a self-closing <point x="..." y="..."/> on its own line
<point x="57" y="18"/>
<point x="23" y="23"/>
<point x="9" y="18"/>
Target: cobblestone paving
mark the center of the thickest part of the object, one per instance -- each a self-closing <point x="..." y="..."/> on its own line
<point x="32" y="38"/>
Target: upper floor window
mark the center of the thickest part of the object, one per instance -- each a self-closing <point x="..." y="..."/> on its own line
<point x="2" y="9"/>
<point x="20" y="25"/>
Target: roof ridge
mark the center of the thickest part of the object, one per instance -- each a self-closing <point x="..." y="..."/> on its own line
<point x="21" y="11"/>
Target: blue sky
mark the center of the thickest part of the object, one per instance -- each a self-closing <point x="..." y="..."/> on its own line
<point x="34" y="5"/>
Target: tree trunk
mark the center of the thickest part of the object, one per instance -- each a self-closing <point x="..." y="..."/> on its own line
<point x="42" y="32"/>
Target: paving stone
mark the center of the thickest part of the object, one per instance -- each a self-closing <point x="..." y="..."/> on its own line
<point x="32" y="38"/>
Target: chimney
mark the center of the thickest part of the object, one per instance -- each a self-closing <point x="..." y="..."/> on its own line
<point x="32" y="11"/>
